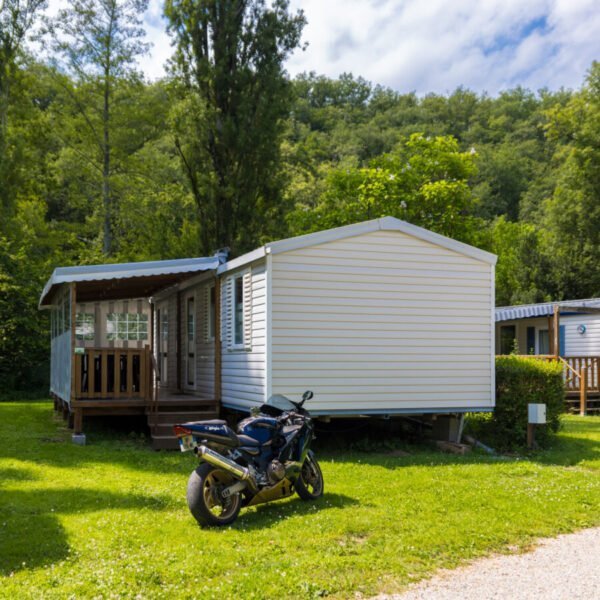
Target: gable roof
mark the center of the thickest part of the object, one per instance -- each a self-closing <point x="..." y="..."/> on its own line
<point x="543" y="309"/>
<point x="339" y="233"/>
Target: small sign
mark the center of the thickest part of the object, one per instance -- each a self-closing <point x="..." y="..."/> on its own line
<point x="79" y="350"/>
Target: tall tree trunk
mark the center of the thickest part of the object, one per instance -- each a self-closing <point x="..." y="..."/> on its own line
<point x="106" y="192"/>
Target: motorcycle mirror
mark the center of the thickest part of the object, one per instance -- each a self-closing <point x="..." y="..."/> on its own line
<point x="307" y="395"/>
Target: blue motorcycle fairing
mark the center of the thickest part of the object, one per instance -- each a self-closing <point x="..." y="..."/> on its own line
<point x="261" y="428"/>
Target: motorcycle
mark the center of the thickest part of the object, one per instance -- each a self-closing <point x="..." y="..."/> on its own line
<point x="267" y="459"/>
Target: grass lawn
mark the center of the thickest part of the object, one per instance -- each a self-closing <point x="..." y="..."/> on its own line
<point x="110" y="519"/>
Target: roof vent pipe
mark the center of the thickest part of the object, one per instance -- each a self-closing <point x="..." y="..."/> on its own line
<point x="222" y="254"/>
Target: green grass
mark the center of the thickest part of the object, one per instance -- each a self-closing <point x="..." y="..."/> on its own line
<point x="110" y="519"/>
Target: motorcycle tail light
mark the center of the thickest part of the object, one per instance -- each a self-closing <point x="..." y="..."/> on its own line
<point x="178" y="430"/>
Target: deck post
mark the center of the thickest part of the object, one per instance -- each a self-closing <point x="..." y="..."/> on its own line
<point x="556" y="330"/>
<point x="583" y="390"/>
<point x="218" y="339"/>
<point x="78" y="421"/>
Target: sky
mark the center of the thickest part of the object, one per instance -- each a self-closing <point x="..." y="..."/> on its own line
<point x="434" y="45"/>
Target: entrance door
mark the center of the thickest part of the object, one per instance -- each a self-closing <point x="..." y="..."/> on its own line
<point x="190" y="343"/>
<point x="162" y="324"/>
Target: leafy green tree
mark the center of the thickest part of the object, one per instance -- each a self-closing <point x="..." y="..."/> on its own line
<point x="523" y="271"/>
<point x="572" y="215"/>
<point x="235" y="97"/>
<point x="17" y="17"/>
<point x="423" y="181"/>
<point x="99" y="42"/>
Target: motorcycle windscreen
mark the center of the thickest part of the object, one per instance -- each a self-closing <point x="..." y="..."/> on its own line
<point x="281" y="402"/>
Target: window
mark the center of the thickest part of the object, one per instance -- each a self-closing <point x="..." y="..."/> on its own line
<point x="543" y="342"/>
<point x="508" y="333"/>
<point x="238" y="311"/>
<point x="164" y="327"/>
<point x="531" y="340"/>
<point x="211" y="312"/>
<point x="126" y="326"/>
<point x="85" y="326"/>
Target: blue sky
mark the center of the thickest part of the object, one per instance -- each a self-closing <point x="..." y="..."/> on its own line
<point x="435" y="45"/>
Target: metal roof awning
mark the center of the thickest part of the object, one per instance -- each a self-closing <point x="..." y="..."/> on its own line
<point x="527" y="311"/>
<point x="126" y="280"/>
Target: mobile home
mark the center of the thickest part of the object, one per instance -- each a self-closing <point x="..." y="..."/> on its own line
<point x="377" y="318"/>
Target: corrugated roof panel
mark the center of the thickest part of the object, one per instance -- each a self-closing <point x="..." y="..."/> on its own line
<point x="129" y="270"/>
<point x="525" y="311"/>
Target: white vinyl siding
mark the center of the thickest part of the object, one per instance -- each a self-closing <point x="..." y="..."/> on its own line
<point x="382" y="321"/>
<point x="243" y="366"/>
<point x="586" y="344"/>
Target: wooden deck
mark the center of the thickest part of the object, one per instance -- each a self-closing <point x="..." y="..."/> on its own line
<point x="121" y="382"/>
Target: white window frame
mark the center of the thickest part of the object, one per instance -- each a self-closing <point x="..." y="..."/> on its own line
<point x="128" y="319"/>
<point x="237" y="345"/>
<point x="211" y="313"/>
<point x="81" y="321"/>
<point x="187" y="384"/>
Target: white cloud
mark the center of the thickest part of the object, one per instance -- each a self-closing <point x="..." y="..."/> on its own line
<point x="434" y="45"/>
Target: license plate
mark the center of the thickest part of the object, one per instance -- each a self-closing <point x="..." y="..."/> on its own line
<point x="186" y="443"/>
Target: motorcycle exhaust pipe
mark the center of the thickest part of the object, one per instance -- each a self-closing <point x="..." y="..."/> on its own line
<point x="215" y="459"/>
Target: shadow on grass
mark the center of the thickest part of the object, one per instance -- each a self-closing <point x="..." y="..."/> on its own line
<point x="114" y="442"/>
<point x="272" y="513"/>
<point x="31" y="534"/>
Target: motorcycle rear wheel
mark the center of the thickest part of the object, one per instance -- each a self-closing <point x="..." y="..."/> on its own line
<point x="310" y="484"/>
<point x="204" y="498"/>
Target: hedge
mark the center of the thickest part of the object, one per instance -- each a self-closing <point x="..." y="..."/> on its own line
<point x="521" y="381"/>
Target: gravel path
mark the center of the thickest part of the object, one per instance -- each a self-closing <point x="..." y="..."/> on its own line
<point x="566" y="567"/>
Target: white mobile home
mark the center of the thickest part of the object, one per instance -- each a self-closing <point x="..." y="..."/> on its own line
<point x="377" y="318"/>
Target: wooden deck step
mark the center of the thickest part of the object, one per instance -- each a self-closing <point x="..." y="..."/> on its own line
<point x="165" y="404"/>
<point x="176" y="411"/>
<point x="175" y="417"/>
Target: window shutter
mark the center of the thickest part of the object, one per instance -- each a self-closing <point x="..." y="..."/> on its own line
<point x="247" y="311"/>
<point x="227" y="312"/>
<point x="206" y="314"/>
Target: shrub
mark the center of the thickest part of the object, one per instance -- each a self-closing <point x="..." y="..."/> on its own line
<point x="521" y="381"/>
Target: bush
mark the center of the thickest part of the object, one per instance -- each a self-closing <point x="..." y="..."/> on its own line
<point x="521" y="381"/>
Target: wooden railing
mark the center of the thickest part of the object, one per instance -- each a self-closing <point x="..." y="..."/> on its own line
<point x="581" y="375"/>
<point x="115" y="373"/>
<point x="577" y="365"/>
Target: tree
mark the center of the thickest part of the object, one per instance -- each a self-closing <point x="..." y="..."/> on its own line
<point x="17" y="18"/>
<point x="99" y="42"/>
<point x="423" y="181"/>
<point x="229" y="125"/>
<point x="572" y="214"/>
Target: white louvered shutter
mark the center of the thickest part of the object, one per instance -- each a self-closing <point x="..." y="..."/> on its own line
<point x="227" y="312"/>
<point x="206" y="314"/>
<point x="247" y="311"/>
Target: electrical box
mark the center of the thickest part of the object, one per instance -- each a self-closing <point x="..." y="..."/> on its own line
<point x="537" y="414"/>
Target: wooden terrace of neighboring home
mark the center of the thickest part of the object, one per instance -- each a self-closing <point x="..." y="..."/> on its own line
<point x="567" y="332"/>
<point x="114" y="353"/>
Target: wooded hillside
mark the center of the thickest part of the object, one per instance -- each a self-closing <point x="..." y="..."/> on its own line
<point x="517" y="174"/>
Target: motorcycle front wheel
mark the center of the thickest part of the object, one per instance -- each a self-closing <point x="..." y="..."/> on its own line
<point x="310" y="484"/>
<point x="204" y="498"/>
